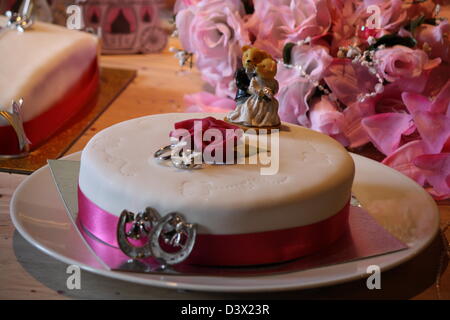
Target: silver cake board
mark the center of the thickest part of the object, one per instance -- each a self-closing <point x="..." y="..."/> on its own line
<point x="365" y="239"/>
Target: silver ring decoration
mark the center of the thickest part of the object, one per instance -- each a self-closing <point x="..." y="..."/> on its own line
<point x="21" y="20"/>
<point x="171" y="229"/>
<point x="14" y="118"/>
<point x="180" y="157"/>
<point x="159" y="154"/>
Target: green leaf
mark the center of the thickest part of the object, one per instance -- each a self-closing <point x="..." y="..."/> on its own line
<point x="287" y="50"/>
<point x="248" y="6"/>
<point x="413" y="24"/>
<point x="391" y="40"/>
<point x="431" y="21"/>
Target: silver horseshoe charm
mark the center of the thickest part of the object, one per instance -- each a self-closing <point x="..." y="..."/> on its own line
<point x="142" y="225"/>
<point x="172" y="228"/>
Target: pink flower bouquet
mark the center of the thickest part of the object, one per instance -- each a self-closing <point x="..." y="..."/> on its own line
<point x="362" y="71"/>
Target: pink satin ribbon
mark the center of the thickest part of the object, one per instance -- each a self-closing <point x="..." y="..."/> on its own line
<point x="236" y="249"/>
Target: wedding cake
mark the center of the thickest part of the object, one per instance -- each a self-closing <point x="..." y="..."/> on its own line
<point x="54" y="70"/>
<point x="244" y="217"/>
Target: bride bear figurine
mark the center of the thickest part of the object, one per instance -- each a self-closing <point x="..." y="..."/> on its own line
<point x="256" y="105"/>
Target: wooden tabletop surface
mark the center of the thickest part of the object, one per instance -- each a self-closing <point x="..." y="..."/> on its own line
<point x="27" y="273"/>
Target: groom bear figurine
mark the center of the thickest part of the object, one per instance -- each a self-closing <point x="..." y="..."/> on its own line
<point x="251" y="56"/>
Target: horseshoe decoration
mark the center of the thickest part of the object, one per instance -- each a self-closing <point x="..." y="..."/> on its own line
<point x="172" y="230"/>
<point x="138" y="230"/>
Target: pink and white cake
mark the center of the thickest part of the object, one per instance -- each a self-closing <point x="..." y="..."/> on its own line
<point x="243" y="217"/>
<point x="54" y="70"/>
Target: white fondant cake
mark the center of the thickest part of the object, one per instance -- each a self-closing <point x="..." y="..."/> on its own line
<point x="313" y="182"/>
<point x="41" y="65"/>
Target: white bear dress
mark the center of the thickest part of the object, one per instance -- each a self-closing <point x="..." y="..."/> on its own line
<point x="261" y="108"/>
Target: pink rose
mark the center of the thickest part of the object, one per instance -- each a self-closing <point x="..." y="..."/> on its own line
<point x="266" y="25"/>
<point x="390" y="125"/>
<point x="400" y="62"/>
<point x="293" y="98"/>
<point x="183" y="4"/>
<point x="346" y="19"/>
<point x="436" y="39"/>
<point x="296" y="90"/>
<point x="393" y="15"/>
<point x="278" y="21"/>
<point x="214" y="31"/>
<point x="314" y="59"/>
<point x="311" y="18"/>
<point x="350" y="16"/>
<point x="349" y="80"/>
<point x="325" y="117"/>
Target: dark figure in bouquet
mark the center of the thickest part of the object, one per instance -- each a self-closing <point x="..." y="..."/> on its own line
<point x="242" y="83"/>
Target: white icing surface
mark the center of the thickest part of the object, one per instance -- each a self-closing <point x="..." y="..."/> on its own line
<point x="41" y="64"/>
<point x="313" y="182"/>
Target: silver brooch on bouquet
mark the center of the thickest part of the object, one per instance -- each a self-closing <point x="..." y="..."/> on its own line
<point x="184" y="57"/>
<point x="21" y="20"/>
<point x="171" y="230"/>
<point x="14" y="118"/>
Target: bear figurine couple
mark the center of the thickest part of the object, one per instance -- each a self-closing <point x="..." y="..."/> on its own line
<point x="256" y="105"/>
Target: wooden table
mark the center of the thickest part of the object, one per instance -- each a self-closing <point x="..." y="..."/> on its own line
<point x="27" y="273"/>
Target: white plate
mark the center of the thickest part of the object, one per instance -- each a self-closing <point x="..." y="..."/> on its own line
<point x="397" y="202"/>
